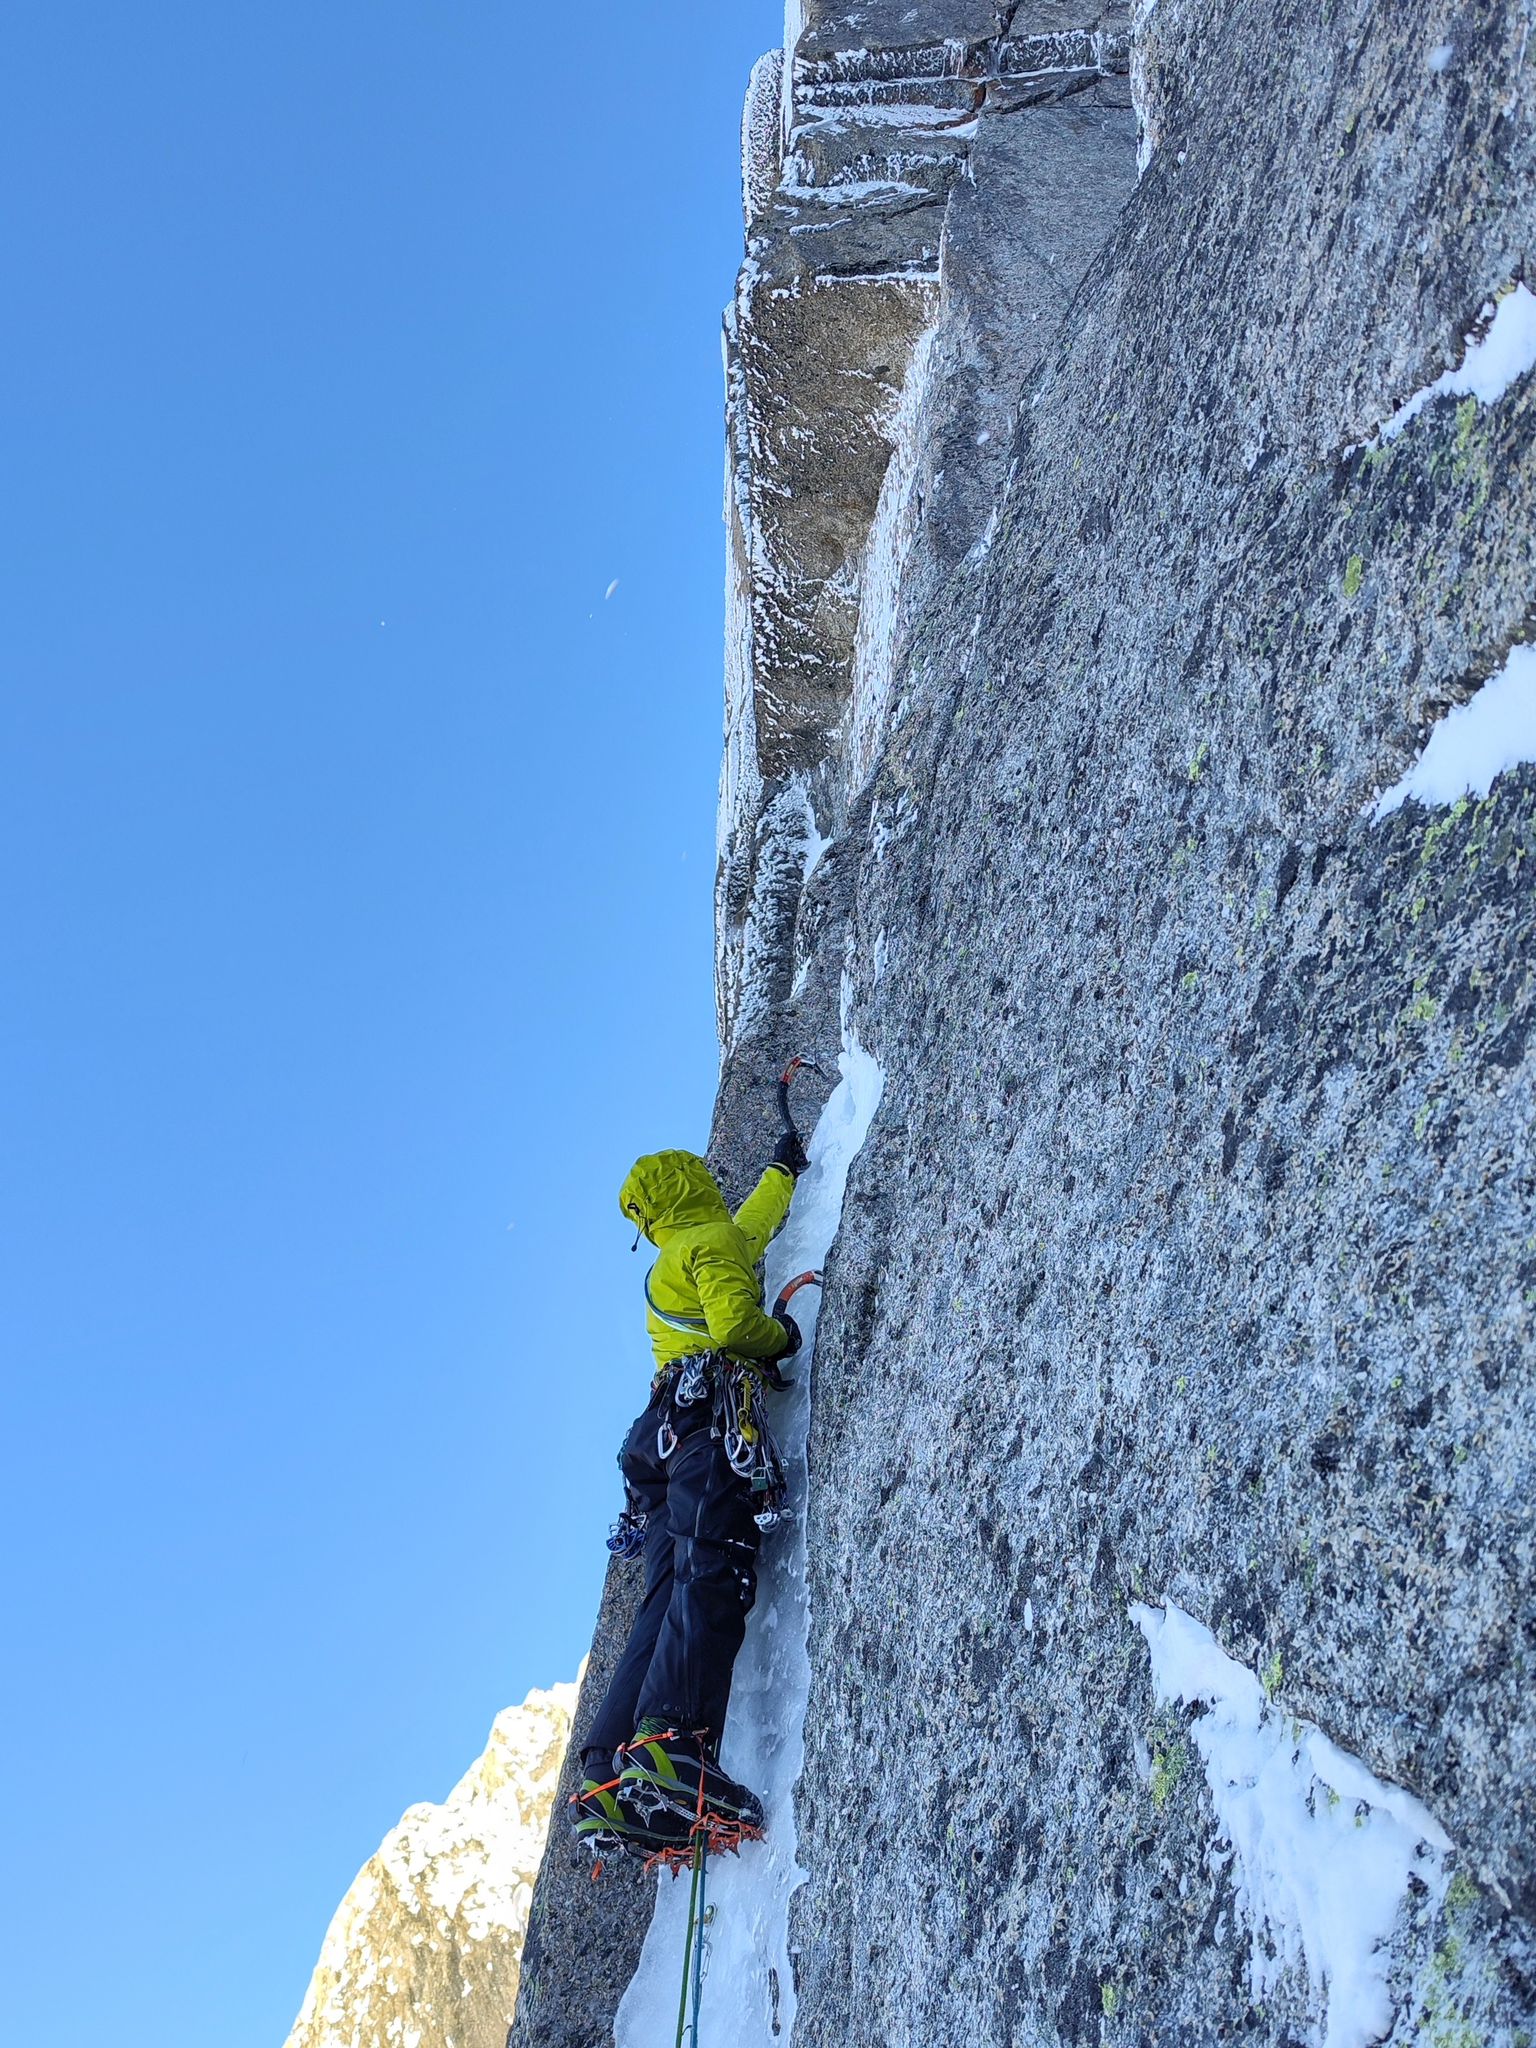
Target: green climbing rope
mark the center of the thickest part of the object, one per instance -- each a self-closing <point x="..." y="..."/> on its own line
<point x="693" y="1948"/>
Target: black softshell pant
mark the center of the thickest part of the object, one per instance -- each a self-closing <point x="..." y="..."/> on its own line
<point x="700" y="1582"/>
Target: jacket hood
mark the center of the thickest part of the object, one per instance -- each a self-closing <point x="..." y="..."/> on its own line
<point x="669" y="1191"/>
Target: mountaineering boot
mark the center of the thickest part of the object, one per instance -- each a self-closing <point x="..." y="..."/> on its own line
<point x="593" y="1813"/>
<point x="664" y="1771"/>
<point x="600" y="1826"/>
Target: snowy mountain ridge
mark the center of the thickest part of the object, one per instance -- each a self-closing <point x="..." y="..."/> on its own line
<point x="424" y="1949"/>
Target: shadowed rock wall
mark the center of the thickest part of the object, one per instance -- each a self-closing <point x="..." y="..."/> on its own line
<point x="1192" y="1255"/>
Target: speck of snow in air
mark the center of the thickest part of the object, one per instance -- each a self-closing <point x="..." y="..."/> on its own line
<point x="1492" y="731"/>
<point x="613" y="586"/>
<point x="1321" y="1851"/>
<point x="1440" y="56"/>
<point x="1490" y="366"/>
<point x="749" y="1987"/>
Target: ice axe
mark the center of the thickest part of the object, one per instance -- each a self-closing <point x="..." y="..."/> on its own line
<point x="786" y="1294"/>
<point x="791" y="1288"/>
<point x="799" y="1062"/>
<point x="791" y="1152"/>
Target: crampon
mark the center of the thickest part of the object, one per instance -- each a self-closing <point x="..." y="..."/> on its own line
<point x="719" y="1837"/>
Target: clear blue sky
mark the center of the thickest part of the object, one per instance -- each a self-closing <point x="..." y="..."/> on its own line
<point x="355" y="891"/>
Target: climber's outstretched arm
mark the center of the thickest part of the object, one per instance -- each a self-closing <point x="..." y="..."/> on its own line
<point x="761" y="1216"/>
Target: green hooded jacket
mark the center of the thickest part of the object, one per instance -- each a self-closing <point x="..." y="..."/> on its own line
<point x="703" y="1293"/>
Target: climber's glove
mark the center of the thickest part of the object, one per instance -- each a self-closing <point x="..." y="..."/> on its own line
<point x="791" y="1154"/>
<point x="792" y="1331"/>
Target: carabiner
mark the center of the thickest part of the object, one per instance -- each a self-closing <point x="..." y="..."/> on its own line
<point x="692" y="1383"/>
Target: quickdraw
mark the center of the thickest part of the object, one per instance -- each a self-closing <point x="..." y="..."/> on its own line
<point x="750" y="1446"/>
<point x="687" y="1381"/>
<point x="626" y="1539"/>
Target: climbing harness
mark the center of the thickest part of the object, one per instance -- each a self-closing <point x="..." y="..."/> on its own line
<point x="737" y="1421"/>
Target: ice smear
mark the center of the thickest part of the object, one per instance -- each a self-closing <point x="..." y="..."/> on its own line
<point x="815" y="842"/>
<point x="790" y="847"/>
<point x="794" y="29"/>
<point x="847" y="192"/>
<point x="885" y="557"/>
<point x="1322" y="1851"/>
<point x="749" y="1990"/>
<point x="1477" y="741"/>
<point x="1491" y="365"/>
<point x="762" y="137"/>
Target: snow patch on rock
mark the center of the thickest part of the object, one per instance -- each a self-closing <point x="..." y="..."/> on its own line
<point x="749" y="1990"/>
<point x="1497" y="357"/>
<point x="1321" y="1851"/>
<point x="1474" y="743"/>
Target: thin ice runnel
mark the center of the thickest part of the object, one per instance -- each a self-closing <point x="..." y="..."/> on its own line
<point x="749" y="1992"/>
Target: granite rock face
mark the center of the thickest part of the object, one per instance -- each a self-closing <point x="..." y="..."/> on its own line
<point x="424" y="1948"/>
<point x="1192" y="1255"/>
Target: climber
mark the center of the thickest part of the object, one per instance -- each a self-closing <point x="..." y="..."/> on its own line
<point x="650" y="1764"/>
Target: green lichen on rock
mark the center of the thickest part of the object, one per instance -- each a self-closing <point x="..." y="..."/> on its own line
<point x="1170" y="1761"/>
